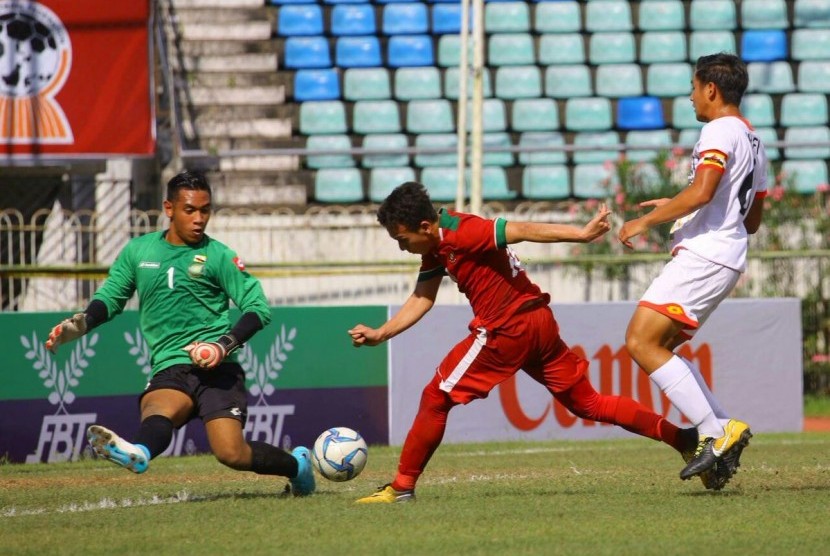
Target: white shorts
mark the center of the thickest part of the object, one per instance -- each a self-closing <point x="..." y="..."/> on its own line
<point x="689" y="288"/>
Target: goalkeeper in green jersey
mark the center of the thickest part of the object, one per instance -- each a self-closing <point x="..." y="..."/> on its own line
<point x="185" y="281"/>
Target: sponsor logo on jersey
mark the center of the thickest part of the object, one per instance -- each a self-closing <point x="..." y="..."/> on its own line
<point x="239" y="264"/>
<point x="149" y="264"/>
<point x="198" y="266"/>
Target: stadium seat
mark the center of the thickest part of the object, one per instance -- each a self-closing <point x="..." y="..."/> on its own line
<point x="764" y="14"/>
<point x="640" y="113"/>
<point x="712" y="15"/>
<point x="557" y="17"/>
<point x="506" y="17"/>
<point x="771" y="77"/>
<point x="452" y="89"/>
<point x="410" y="50"/>
<point x="376" y="116"/>
<point x="345" y="1"/>
<point x="300" y="20"/>
<point x="703" y="43"/>
<point x="383" y="180"/>
<point x="366" y="84"/>
<point x="328" y="143"/>
<point x="814" y="77"/>
<point x="325" y="117"/>
<point x="353" y="19"/>
<point x="593" y="181"/>
<point x="534" y="114"/>
<point x="495" y="158"/>
<point x="688" y="137"/>
<point x="316" y="84"/>
<point x="442" y="183"/>
<point x="662" y="46"/>
<point x="758" y="109"/>
<point x="429" y="116"/>
<point x="764" y="45"/>
<point x="568" y="81"/>
<point x="436" y="141"/>
<point x="307" y="52"/>
<point x="608" y="15"/>
<point x="406" y="18"/>
<point x="546" y="148"/>
<point x="810" y="44"/>
<point x="446" y="19"/>
<point x="619" y="80"/>
<point x="611" y="48"/>
<point x="383" y="141"/>
<point x="494" y="115"/>
<point x="338" y="185"/>
<point x="449" y="51"/>
<point x="807" y="134"/>
<point x="417" y="83"/>
<point x="683" y="114"/>
<point x="494" y="185"/>
<point x="660" y="139"/>
<point x="284" y="2"/>
<point x="588" y="114"/>
<point x="799" y="109"/>
<point x="566" y="48"/>
<point x="514" y="82"/>
<point x="595" y="140"/>
<point x="662" y="16"/>
<point x="549" y="182"/>
<point x="358" y="52"/>
<point x="669" y="80"/>
<point x="768" y="135"/>
<point x="510" y="49"/>
<point x="807" y="175"/>
<point x="811" y="13"/>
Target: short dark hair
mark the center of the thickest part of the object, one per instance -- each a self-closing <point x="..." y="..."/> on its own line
<point x="727" y="72"/>
<point x="189" y="179"/>
<point x="408" y="204"/>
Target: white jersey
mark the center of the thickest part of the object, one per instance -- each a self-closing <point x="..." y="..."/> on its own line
<point x="716" y="231"/>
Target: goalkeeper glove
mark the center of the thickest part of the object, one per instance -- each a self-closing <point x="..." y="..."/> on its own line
<point x="208" y="355"/>
<point x="68" y="330"/>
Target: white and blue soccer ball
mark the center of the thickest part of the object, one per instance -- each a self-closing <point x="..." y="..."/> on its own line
<point x="340" y="454"/>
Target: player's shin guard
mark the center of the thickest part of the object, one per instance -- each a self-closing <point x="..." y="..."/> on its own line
<point x="155" y="434"/>
<point x="270" y="460"/>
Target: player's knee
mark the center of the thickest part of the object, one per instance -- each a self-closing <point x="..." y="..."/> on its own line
<point x="234" y="459"/>
<point x="635" y="345"/>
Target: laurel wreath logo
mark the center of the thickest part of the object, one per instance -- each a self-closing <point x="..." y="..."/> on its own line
<point x="263" y="373"/>
<point x="60" y="380"/>
<point x="139" y="347"/>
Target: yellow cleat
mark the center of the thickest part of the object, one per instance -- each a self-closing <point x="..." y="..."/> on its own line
<point x="724" y="450"/>
<point x="736" y="435"/>
<point x="388" y="495"/>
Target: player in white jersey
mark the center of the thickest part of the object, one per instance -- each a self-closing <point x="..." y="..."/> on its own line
<point x="713" y="217"/>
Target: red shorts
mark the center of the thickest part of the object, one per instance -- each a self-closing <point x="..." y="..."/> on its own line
<point x="529" y="341"/>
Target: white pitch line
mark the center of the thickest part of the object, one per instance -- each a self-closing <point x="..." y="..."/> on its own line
<point x="103" y="504"/>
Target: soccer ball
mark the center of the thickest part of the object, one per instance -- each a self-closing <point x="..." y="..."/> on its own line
<point x="339" y="454"/>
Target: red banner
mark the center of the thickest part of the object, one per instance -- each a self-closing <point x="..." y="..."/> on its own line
<point x="75" y="78"/>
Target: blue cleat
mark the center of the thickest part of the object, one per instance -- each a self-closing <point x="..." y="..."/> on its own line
<point x="108" y="445"/>
<point x="303" y="484"/>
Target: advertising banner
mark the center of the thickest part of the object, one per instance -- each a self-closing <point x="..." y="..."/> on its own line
<point x="302" y="373"/>
<point x="75" y="78"/>
<point x="749" y="352"/>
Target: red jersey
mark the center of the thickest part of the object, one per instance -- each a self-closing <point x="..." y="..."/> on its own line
<point x="473" y="252"/>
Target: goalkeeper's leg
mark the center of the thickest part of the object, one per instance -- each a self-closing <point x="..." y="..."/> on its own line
<point x="106" y="444"/>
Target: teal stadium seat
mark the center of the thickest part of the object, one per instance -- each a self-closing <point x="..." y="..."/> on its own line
<point x="338" y="185"/>
<point x="383" y="180"/>
<point x="436" y="141"/>
<point x="510" y="49"/>
<point x="588" y="114"/>
<point x="429" y="116"/>
<point x="669" y="79"/>
<point x="596" y="140"/>
<point x="660" y="139"/>
<point x="449" y="51"/>
<point x="611" y="48"/>
<point x="668" y="15"/>
<point x="768" y="136"/>
<point x="329" y="143"/>
<point x="619" y="80"/>
<point x="564" y="49"/>
<point x="494" y="115"/>
<point x="608" y="15"/>
<point x="405" y="18"/>
<point x="758" y="109"/>
<point x="703" y="43"/>
<point x="807" y="175"/>
<point x="799" y="109"/>
<point x="807" y="134"/>
<point x="506" y="17"/>
<point x="662" y="46"/>
<point x="384" y="141"/>
<point x="534" y="114"/>
<point x="549" y="182"/>
<point x="812" y="14"/>
<point x="688" y="138"/>
<point x="325" y="117"/>
<point x="442" y="183"/>
<point x="548" y="144"/>
<point x="712" y="15"/>
<point x="810" y="44"/>
<point x="514" y="82"/>
<point x="568" y="81"/>
<point x="772" y="77"/>
<point x="557" y="17"/>
<point x="452" y="89"/>
<point x="494" y="185"/>
<point x="366" y="84"/>
<point x="814" y="76"/>
<point x="764" y="14"/>
<point x="593" y="181"/>
<point x="683" y="114"/>
<point x="376" y="116"/>
<point x="417" y="83"/>
<point x="495" y="158"/>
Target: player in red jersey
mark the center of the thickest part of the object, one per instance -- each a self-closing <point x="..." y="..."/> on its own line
<point x="513" y="326"/>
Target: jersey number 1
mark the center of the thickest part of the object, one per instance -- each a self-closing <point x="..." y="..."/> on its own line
<point x="170" y="272"/>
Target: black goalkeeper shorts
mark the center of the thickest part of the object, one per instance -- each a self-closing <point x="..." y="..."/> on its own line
<point x="216" y="393"/>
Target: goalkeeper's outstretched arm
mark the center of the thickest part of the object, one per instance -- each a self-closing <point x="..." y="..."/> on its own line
<point x="77" y="325"/>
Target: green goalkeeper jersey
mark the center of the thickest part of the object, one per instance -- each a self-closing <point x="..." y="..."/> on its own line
<point x="183" y="293"/>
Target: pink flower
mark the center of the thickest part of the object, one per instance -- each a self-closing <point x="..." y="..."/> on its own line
<point x="823" y="187"/>
<point x="608" y="165"/>
<point x="671" y="164"/>
<point x="778" y="192"/>
<point x="678" y="151"/>
<point x="821" y="358"/>
<point x="591" y="204"/>
<point x="619" y="199"/>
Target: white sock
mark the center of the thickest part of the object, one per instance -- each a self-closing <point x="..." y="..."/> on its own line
<point x="720" y="412"/>
<point x="678" y="382"/>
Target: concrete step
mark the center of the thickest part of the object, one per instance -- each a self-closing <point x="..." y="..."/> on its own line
<point x="273" y="163"/>
<point x="225" y="96"/>
<point x="233" y="80"/>
<point x="202" y="4"/>
<point x="218" y="144"/>
<point x="227" y="48"/>
<point x="271" y="128"/>
<point x="250" y="31"/>
<point x="202" y="114"/>
<point x="246" y="62"/>
<point x="256" y="191"/>
<point x="224" y="15"/>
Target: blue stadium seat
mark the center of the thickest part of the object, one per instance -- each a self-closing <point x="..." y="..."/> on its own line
<point x="436" y="141"/>
<point x="452" y="88"/>
<point x="383" y="180"/>
<point x="594" y="140"/>
<point x="609" y="15"/>
<point x="812" y="14"/>
<point x="683" y="114"/>
<point x="662" y="46"/>
<point x="568" y="81"/>
<point x="429" y="116"/>
<point x="807" y="174"/>
<point x="410" y="50"/>
<point x="329" y="143"/>
<point x="442" y="182"/>
<point x="669" y="15"/>
<point x="611" y="48"/>
<point x="799" y="109"/>
<point x="417" y="83"/>
<point x="619" y="80"/>
<point x="385" y="141"/>
<point x="300" y="20"/>
<point x="810" y="44"/>
<point x="593" y="181"/>
<point x="344" y="1"/>
<point x="807" y="134"/>
<point x="353" y="20"/>
<point x="712" y="15"/>
<point x="660" y="139"/>
<point x="307" y="52"/>
<point x="669" y="80"/>
<point x="588" y="114"/>
<point x="338" y="185"/>
<point x="565" y="48"/>
<point x="764" y="14"/>
<point x="284" y="2"/>
<point x="557" y="17"/>
<point x="772" y="77"/>
<point x="376" y="116"/>
<point x="366" y="84"/>
<point x="640" y="113"/>
<point x="703" y="43"/>
<point x="325" y="117"/>
<point x="358" y="52"/>
<point x="764" y="45"/>
<point x="814" y="76"/>
<point x="506" y="17"/>
<point x="549" y="182"/>
<point x="511" y="49"/>
<point x="546" y="148"/>
<point x="513" y="82"/>
<point x="316" y="84"/>
<point x="407" y="18"/>
<point x="534" y="114"/>
<point x="446" y="19"/>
